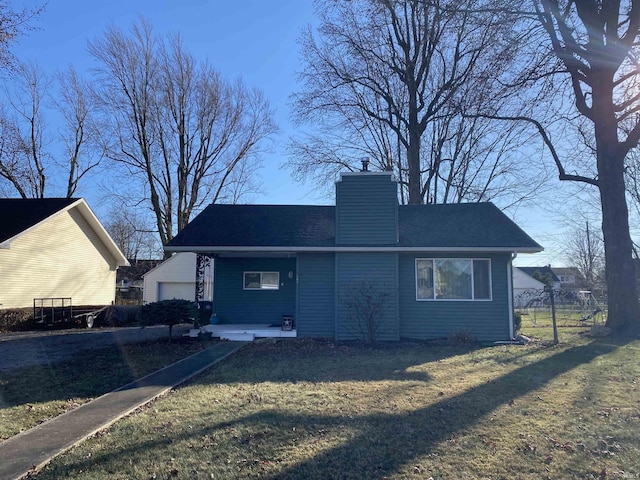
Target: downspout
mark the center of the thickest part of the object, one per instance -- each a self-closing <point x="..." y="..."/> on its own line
<point x="510" y="296"/>
<point x="296" y="319"/>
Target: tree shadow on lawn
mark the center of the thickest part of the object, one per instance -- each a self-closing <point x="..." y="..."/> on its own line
<point x="89" y="374"/>
<point x="297" y="361"/>
<point x="382" y="444"/>
<point x="373" y="453"/>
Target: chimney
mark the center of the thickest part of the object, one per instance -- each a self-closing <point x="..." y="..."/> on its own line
<point x="365" y="164"/>
<point x="366" y="209"/>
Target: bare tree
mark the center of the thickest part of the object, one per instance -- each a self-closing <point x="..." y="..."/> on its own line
<point x="129" y="231"/>
<point x="27" y="162"/>
<point x="594" y="46"/>
<point x="25" y="158"/>
<point x="13" y="23"/>
<point x="389" y="79"/>
<point x="77" y="104"/>
<point x="12" y="153"/>
<point x="585" y="250"/>
<point x="174" y="124"/>
<point x="632" y="180"/>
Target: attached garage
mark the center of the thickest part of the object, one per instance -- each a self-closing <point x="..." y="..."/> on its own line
<point x="173" y="278"/>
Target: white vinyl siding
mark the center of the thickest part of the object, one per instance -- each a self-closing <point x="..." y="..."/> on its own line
<point x="178" y="269"/>
<point x="62" y="257"/>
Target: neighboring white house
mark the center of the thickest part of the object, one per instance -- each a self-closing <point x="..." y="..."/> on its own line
<point x="525" y="288"/>
<point x="55" y="247"/>
<point x="173" y="278"/>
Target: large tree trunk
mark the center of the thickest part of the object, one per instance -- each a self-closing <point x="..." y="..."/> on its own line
<point x="413" y="161"/>
<point x="624" y="309"/>
<point x="623" y="306"/>
<point x="413" y="152"/>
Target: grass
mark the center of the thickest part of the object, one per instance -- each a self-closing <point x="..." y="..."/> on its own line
<point x="312" y="409"/>
<point x="31" y="395"/>
<point x="566" y="316"/>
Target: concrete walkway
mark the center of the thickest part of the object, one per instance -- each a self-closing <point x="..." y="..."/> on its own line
<point x="36" y="447"/>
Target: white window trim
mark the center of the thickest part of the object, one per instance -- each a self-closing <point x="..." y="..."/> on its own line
<point x="473" y="299"/>
<point x="260" y="288"/>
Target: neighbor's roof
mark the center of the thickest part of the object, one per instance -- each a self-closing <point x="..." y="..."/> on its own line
<point x="542" y="270"/>
<point x="20" y="215"/>
<point x="468" y="226"/>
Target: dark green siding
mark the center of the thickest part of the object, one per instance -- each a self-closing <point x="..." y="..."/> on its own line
<point x="233" y="304"/>
<point x="487" y="321"/>
<point x="351" y="270"/>
<point x="367" y="209"/>
<point x="316" y="295"/>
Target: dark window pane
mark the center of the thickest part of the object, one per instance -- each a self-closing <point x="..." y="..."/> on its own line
<point x="251" y="280"/>
<point x="481" y="280"/>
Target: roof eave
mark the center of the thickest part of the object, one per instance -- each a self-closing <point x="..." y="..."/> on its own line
<point x="7" y="243"/>
<point x="92" y="220"/>
<point x="284" y="249"/>
<point x="101" y="232"/>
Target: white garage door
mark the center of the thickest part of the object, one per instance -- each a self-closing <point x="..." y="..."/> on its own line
<point x="171" y="290"/>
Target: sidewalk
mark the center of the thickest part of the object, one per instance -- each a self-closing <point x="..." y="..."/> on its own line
<point x="37" y="446"/>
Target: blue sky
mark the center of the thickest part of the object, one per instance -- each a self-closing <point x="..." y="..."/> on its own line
<point x="252" y="39"/>
<point x="257" y="42"/>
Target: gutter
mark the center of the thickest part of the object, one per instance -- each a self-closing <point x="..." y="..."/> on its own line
<point x="510" y="292"/>
<point x="294" y="249"/>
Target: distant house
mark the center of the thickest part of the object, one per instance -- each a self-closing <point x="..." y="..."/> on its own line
<point x="571" y="279"/>
<point x="173" y="278"/>
<point x="55" y="247"/>
<point x="429" y="270"/>
<point x="130" y="281"/>
<point x="542" y="273"/>
<point x="525" y="288"/>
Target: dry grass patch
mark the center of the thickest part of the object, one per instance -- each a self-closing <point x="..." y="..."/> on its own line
<point x="310" y="409"/>
<point x="34" y="394"/>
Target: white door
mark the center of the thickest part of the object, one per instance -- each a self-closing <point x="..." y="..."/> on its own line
<point x="181" y="290"/>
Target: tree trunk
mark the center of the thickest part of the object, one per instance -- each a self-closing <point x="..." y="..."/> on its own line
<point x="623" y="306"/>
<point x="413" y="154"/>
<point x="413" y="161"/>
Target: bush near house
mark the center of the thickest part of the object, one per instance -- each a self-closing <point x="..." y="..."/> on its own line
<point x="517" y="321"/>
<point x="16" y="319"/>
<point x="168" y="312"/>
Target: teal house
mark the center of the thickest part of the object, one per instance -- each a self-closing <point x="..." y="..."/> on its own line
<point x="366" y="268"/>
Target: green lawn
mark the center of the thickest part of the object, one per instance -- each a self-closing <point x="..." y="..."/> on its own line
<point x="312" y="409"/>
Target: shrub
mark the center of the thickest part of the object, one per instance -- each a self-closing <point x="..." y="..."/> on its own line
<point x="461" y="336"/>
<point x="517" y="321"/>
<point x="366" y="303"/>
<point x="168" y="312"/>
<point x="16" y="319"/>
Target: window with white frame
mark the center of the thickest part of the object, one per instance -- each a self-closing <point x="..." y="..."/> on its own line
<point x="453" y="279"/>
<point x="261" y="280"/>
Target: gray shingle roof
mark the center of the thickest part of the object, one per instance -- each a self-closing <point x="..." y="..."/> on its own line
<point x="19" y="214"/>
<point x="260" y="225"/>
<point x="470" y="225"/>
<point x="459" y="225"/>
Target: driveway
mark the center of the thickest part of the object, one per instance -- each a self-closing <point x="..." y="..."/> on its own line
<point x="41" y="348"/>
